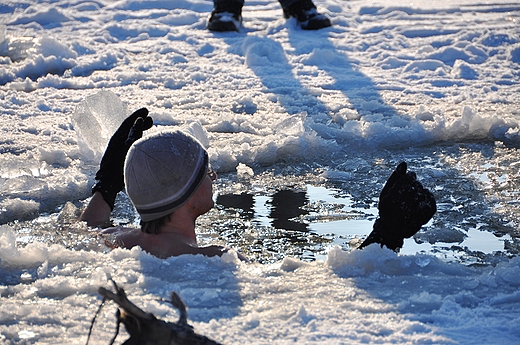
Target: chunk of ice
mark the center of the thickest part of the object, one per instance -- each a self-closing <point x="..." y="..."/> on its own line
<point x="95" y="121"/>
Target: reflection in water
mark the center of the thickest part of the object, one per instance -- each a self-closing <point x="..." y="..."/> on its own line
<point x="286" y="207"/>
<point x="243" y="202"/>
<point x="270" y="227"/>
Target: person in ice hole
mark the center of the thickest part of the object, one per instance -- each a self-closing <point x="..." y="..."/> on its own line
<point x="169" y="181"/>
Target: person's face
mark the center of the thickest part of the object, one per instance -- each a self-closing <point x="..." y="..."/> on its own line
<point x="202" y="201"/>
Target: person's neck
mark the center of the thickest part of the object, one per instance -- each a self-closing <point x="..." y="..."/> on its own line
<point x="180" y="226"/>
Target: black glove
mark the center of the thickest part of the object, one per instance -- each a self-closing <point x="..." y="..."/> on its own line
<point x="110" y="174"/>
<point x="404" y="206"/>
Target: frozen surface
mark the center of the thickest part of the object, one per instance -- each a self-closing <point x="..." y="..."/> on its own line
<point x="303" y="128"/>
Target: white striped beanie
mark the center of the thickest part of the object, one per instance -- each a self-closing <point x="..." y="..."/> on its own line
<point x="162" y="171"/>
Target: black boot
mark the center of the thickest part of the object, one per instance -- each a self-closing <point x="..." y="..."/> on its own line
<point x="226" y="16"/>
<point x="307" y="16"/>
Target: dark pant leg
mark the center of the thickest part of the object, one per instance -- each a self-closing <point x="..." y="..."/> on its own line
<point x="286" y="3"/>
<point x="227" y="3"/>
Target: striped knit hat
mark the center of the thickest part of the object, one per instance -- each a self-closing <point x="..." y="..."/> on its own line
<point x="162" y="171"/>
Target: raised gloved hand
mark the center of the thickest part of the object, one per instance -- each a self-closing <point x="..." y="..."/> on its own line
<point x="404" y="206"/>
<point x="110" y="180"/>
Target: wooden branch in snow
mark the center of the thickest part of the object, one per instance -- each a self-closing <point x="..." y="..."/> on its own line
<point x="145" y="329"/>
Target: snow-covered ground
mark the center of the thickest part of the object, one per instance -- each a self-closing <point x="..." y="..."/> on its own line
<point x="304" y="128"/>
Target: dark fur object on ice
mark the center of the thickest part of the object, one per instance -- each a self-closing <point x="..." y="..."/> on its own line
<point x="145" y="329"/>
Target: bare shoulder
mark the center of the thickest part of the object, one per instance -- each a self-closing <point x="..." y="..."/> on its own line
<point x="162" y="245"/>
<point x="165" y="245"/>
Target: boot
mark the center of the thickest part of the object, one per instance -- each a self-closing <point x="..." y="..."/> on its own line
<point x="307" y="16"/>
<point x="226" y="16"/>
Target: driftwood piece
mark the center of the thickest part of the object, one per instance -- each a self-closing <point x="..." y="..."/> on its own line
<point x="145" y="329"/>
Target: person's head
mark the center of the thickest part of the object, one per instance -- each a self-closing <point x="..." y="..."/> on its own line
<point x="164" y="172"/>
